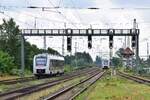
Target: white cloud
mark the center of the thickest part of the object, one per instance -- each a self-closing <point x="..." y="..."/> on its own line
<point x="102" y="18"/>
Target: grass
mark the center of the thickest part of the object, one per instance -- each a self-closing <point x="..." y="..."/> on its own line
<point x="68" y="68"/>
<point x="6" y="77"/>
<point x="3" y="76"/>
<point x="116" y="88"/>
<point x="4" y="88"/>
<point x="40" y="94"/>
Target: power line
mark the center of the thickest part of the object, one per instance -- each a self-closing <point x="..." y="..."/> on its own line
<point x="16" y="19"/>
<point x="60" y="1"/>
<point x="62" y="14"/>
<point x="52" y="21"/>
<point x="76" y="9"/>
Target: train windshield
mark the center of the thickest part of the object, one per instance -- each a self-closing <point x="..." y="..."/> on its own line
<point x="106" y="62"/>
<point x="41" y="61"/>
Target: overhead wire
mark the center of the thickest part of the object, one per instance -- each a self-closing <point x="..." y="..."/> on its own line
<point x="16" y="19"/>
<point x="60" y="1"/>
<point x="76" y="9"/>
<point x="41" y="18"/>
<point x="145" y="8"/>
<point x="63" y="15"/>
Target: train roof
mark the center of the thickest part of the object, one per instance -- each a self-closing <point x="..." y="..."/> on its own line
<point x="50" y="56"/>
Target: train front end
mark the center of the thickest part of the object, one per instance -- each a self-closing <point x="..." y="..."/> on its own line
<point x="105" y="64"/>
<point x="40" y="65"/>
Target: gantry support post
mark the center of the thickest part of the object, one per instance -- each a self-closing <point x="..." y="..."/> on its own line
<point x="137" y="53"/>
<point x="22" y="56"/>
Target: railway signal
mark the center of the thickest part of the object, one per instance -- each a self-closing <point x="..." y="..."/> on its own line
<point x="133" y="41"/>
<point x="111" y="41"/>
<point x="89" y="41"/>
<point x="89" y="32"/>
<point x="69" y="43"/>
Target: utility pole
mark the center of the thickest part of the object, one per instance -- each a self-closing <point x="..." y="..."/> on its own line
<point x="111" y="64"/>
<point x="147" y="49"/>
<point x="76" y="53"/>
<point x="44" y="38"/>
<point x="137" y="45"/>
<point x="125" y="43"/>
<point x="22" y="57"/>
<point x="63" y="41"/>
<point x="35" y="23"/>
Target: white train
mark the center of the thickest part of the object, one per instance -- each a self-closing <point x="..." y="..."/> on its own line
<point x="105" y="63"/>
<point x="46" y="64"/>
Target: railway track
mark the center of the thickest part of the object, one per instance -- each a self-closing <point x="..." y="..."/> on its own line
<point x="134" y="78"/>
<point x="17" y="80"/>
<point x="20" y="80"/>
<point x="72" y="91"/>
<point x="24" y="91"/>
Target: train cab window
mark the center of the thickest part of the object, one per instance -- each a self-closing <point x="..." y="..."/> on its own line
<point x="41" y="61"/>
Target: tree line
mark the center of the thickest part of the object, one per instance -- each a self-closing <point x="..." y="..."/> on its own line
<point x="79" y="60"/>
<point x="10" y="49"/>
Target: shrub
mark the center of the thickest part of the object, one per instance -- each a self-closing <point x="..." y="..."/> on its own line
<point x="6" y="63"/>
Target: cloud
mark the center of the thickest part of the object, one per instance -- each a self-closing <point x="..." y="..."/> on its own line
<point x="78" y="18"/>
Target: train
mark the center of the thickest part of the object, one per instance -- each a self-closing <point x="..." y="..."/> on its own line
<point x="47" y="64"/>
<point x="105" y="63"/>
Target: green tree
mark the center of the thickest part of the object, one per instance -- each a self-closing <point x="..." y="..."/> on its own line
<point x="10" y="42"/>
<point x="120" y="52"/>
<point x="9" y="38"/>
<point x="98" y="61"/>
<point x="116" y="61"/>
<point x="6" y="63"/>
<point x="79" y="59"/>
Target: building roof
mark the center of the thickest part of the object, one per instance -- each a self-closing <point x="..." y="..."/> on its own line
<point x="128" y="52"/>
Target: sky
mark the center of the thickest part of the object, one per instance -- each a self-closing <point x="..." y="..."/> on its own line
<point x="75" y="15"/>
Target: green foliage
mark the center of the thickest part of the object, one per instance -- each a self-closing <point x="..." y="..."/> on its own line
<point x="148" y="61"/>
<point x="68" y="68"/>
<point x="120" y="52"/>
<point x="98" y="61"/>
<point x="9" y="39"/>
<point x="31" y="50"/>
<point x="10" y="42"/>
<point x="79" y="59"/>
<point x="6" y="63"/>
<point x="117" y="62"/>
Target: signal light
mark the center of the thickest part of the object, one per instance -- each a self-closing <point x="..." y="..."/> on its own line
<point x="89" y="41"/>
<point x="89" y="38"/>
<point x="111" y="38"/>
<point x="69" y="41"/>
<point x="110" y="45"/>
<point x="89" y="45"/>
<point x="133" y="38"/>
<point x="111" y="41"/>
<point x="133" y="41"/>
<point x="133" y="44"/>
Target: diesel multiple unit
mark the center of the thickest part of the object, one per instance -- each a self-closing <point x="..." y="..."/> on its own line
<point x="47" y="64"/>
<point x="105" y="63"/>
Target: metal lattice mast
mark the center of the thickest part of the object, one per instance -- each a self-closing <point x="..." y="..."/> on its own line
<point x="44" y="38"/>
<point x="63" y="42"/>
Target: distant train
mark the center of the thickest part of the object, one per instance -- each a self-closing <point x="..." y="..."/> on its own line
<point x="47" y="64"/>
<point x="105" y="63"/>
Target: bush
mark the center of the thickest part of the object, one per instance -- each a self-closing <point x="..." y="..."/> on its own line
<point x="6" y="63"/>
<point x="68" y="68"/>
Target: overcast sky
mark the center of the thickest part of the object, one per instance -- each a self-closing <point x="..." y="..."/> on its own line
<point x="80" y="18"/>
